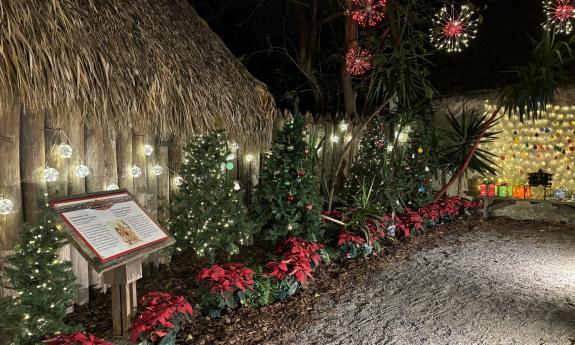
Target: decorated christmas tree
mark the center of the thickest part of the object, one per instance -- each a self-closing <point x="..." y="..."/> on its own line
<point x="287" y="200"/>
<point x="396" y="172"/>
<point x="208" y="214"/>
<point x="44" y="285"/>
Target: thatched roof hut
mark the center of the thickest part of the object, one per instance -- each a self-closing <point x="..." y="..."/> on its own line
<point x="146" y="63"/>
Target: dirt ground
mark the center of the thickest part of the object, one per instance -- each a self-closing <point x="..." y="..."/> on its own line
<point x="474" y="282"/>
<point x="513" y="283"/>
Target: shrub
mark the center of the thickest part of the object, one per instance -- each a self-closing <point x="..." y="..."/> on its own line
<point x="161" y="318"/>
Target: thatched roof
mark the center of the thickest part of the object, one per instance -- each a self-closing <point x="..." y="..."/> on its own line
<point x="152" y="63"/>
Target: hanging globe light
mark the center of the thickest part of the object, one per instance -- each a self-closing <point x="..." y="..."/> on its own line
<point x="82" y="171"/>
<point x="135" y="171"/>
<point x="148" y="149"/>
<point x="65" y="150"/>
<point x="51" y="174"/>
<point x="157" y="170"/>
<point x="178" y="181"/>
<point x="6" y="206"/>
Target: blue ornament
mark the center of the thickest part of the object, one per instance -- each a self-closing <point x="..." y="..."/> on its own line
<point x="391" y="230"/>
<point x="422" y="189"/>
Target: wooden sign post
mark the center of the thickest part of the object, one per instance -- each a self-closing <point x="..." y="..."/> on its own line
<point x="113" y="232"/>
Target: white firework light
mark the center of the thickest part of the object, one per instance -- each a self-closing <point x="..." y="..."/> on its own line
<point x="560" y="15"/>
<point x="453" y="28"/>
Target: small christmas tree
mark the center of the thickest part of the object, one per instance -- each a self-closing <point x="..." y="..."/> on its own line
<point x="287" y="200"/>
<point x="208" y="214"/>
<point x="44" y="285"/>
<point x="398" y="173"/>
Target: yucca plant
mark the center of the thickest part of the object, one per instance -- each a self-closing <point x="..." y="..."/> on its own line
<point x="457" y="142"/>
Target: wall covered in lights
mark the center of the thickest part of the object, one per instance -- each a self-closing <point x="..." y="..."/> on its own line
<point x="547" y="143"/>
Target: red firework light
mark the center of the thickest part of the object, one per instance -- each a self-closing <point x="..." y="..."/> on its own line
<point x="452" y="28"/>
<point x="564" y="12"/>
<point x="357" y="61"/>
<point x="368" y="13"/>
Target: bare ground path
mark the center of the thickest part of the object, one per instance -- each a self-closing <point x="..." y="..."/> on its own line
<point x="506" y="282"/>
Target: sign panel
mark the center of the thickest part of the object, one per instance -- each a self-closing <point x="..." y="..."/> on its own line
<point x="112" y="225"/>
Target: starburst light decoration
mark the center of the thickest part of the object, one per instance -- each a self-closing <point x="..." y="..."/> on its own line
<point x="357" y="61"/>
<point x="368" y="13"/>
<point x="453" y="28"/>
<point x="560" y="15"/>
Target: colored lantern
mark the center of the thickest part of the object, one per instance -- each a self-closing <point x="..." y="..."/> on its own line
<point x="502" y="191"/>
<point x="491" y="189"/>
<point x="483" y="189"/>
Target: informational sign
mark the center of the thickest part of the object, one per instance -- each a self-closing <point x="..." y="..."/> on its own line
<point x="112" y="225"/>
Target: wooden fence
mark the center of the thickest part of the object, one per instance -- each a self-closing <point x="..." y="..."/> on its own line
<point x="29" y="143"/>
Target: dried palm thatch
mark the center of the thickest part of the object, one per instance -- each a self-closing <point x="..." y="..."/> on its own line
<point x="143" y="63"/>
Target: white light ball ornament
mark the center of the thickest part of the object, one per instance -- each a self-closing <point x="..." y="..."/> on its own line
<point x="148" y="149"/>
<point x="112" y="186"/>
<point x="65" y="150"/>
<point x="237" y="185"/>
<point x="157" y="170"/>
<point x="178" y="181"/>
<point x="82" y="171"/>
<point x="135" y="171"/>
<point x="6" y="206"/>
<point x="51" y="174"/>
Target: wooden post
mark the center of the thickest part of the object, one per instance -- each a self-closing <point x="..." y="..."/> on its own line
<point x="140" y="189"/>
<point x="95" y="182"/>
<point x="175" y="160"/>
<point x="32" y="161"/>
<point x="110" y="158"/>
<point x="125" y="160"/>
<point x="9" y="181"/>
<point x="124" y="299"/>
<point x="54" y="137"/>
<point x="152" y="191"/>
<point x="163" y="190"/>
<point x="75" y="130"/>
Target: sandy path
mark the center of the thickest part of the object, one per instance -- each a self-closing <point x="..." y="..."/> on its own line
<point x="511" y="286"/>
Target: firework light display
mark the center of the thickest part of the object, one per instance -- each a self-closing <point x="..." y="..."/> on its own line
<point x="453" y="28"/>
<point x="357" y="61"/>
<point x="368" y="13"/>
<point x="560" y="14"/>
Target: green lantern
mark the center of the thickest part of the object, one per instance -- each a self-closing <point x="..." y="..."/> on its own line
<point x="230" y="165"/>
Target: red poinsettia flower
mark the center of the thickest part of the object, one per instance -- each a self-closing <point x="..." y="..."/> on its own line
<point x="297" y="256"/>
<point x="78" y="338"/>
<point x="227" y="278"/>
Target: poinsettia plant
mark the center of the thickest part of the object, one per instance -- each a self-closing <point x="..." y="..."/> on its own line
<point x="298" y="259"/>
<point x="78" y="338"/>
<point x="225" y="286"/>
<point x="160" y="319"/>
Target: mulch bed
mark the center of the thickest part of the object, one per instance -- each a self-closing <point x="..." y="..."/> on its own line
<point x="261" y="325"/>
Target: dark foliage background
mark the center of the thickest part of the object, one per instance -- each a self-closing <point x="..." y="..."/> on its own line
<point x="267" y="36"/>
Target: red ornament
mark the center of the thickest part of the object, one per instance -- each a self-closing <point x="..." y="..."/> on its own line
<point x="301" y="173"/>
<point x="290" y="197"/>
<point x="368" y="13"/>
<point x="308" y="206"/>
<point x="306" y="150"/>
<point x="379" y="144"/>
<point x="357" y="61"/>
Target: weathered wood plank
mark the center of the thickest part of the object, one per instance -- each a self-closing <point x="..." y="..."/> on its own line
<point x="32" y="161"/>
<point x="74" y="128"/>
<point x="125" y="159"/>
<point x="10" y="186"/>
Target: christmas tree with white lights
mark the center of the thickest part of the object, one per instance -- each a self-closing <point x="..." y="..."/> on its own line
<point x="44" y="285"/>
<point x="208" y="214"/>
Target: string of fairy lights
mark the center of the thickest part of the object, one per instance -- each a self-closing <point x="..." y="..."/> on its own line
<point x="64" y="150"/>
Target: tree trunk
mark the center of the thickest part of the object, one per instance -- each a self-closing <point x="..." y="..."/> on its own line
<point x="346" y="80"/>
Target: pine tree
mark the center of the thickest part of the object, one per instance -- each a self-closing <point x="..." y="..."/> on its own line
<point x="287" y="200"/>
<point x="44" y="285"/>
<point x="208" y="215"/>
<point x="400" y="174"/>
